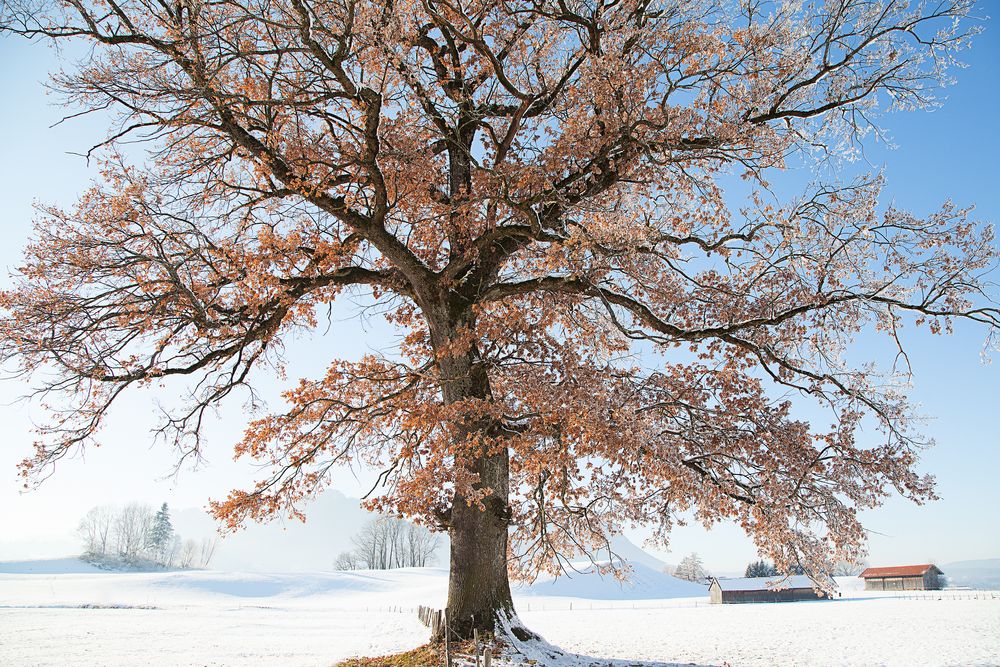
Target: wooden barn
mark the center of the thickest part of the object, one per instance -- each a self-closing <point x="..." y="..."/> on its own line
<point x="763" y="589"/>
<point x="925" y="577"/>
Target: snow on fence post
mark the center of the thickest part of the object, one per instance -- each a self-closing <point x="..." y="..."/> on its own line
<point x="487" y="657"/>
<point x="475" y="643"/>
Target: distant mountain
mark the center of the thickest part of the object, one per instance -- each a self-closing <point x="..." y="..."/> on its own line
<point x="982" y="574"/>
<point x="624" y="549"/>
<point x="644" y="583"/>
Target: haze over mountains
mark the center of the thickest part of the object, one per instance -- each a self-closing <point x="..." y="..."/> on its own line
<point x="982" y="574"/>
<point x="284" y="545"/>
<point x="333" y="519"/>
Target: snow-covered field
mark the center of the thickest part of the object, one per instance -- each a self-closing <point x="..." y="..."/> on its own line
<point x="66" y="613"/>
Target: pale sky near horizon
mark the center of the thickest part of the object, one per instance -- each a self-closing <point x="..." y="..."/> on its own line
<point x="952" y="152"/>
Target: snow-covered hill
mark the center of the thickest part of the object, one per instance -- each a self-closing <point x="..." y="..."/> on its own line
<point x="57" y="613"/>
<point x="68" y="565"/>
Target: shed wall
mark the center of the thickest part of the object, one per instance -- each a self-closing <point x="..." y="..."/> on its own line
<point x="785" y="595"/>
<point x="928" y="582"/>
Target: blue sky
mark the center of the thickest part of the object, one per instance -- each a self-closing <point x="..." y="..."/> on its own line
<point x="949" y="153"/>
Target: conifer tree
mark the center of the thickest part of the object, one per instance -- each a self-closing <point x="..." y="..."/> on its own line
<point x="760" y="568"/>
<point x="161" y="535"/>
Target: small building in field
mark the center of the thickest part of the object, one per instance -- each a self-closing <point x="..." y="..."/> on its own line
<point x="763" y="589"/>
<point x="926" y="577"/>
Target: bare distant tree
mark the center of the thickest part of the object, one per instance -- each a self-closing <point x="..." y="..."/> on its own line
<point x="96" y="529"/>
<point x="131" y="530"/>
<point x="389" y="542"/>
<point x="347" y="560"/>
<point x="846" y="568"/>
<point x="421" y="545"/>
<point x="207" y="551"/>
<point x="174" y="554"/>
<point x="369" y="545"/>
<point x="188" y="554"/>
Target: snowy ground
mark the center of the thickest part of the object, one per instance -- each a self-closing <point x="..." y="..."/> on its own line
<point x="241" y="619"/>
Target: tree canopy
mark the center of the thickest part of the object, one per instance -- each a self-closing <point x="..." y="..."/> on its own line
<point x="595" y="333"/>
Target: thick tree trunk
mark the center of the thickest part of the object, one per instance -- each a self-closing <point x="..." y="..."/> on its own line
<point x="478" y="586"/>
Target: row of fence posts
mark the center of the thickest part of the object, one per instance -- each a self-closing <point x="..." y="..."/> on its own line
<point x="437" y="621"/>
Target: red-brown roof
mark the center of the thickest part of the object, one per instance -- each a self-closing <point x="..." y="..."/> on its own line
<point x="898" y="571"/>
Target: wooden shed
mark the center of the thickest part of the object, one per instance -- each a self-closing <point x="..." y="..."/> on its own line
<point x="763" y="589"/>
<point x="926" y="577"/>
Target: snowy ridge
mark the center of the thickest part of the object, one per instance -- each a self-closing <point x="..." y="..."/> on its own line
<point x="628" y="551"/>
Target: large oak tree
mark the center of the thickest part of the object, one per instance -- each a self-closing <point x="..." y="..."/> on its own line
<point x="599" y="330"/>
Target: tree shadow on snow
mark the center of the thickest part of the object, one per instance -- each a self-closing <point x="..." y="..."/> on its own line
<point x="534" y="650"/>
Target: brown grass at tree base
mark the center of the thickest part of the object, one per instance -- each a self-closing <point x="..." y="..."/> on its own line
<point x="428" y="655"/>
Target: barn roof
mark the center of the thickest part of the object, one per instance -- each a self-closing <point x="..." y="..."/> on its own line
<point x="898" y="571"/>
<point x="765" y="583"/>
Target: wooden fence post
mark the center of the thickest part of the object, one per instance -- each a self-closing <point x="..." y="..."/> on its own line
<point x="447" y="649"/>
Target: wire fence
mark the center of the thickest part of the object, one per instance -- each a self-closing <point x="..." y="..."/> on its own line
<point x="947" y="594"/>
<point x="581" y="605"/>
<point x="687" y="603"/>
<point x="550" y="604"/>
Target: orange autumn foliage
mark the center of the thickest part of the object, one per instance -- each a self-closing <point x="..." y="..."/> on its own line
<point x="539" y="195"/>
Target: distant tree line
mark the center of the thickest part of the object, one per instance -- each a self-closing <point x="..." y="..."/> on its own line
<point x="133" y="535"/>
<point x="691" y="569"/>
<point x="762" y="568"/>
<point x="387" y="542"/>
